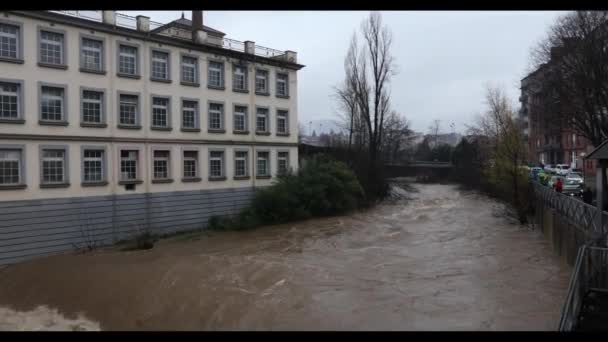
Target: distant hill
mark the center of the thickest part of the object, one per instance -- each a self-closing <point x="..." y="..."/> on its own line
<point x="321" y="126"/>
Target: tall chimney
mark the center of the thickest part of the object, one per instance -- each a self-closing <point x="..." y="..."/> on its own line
<point x="197" y="20"/>
<point x="198" y="35"/>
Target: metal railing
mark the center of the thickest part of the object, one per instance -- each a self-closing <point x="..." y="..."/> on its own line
<point x="577" y="212"/>
<point x="130" y="22"/>
<point x="590" y="274"/>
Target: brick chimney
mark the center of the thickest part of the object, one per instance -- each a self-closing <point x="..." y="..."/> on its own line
<point x="198" y="35"/>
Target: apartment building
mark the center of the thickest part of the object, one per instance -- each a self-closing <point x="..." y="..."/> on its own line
<point x="550" y="141"/>
<point x="111" y="124"/>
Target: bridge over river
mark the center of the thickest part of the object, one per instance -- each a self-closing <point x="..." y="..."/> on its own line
<point x="439" y="259"/>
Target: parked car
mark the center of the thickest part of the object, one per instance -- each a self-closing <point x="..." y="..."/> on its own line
<point x="562" y="169"/>
<point x="575" y="176"/>
<point x="572" y="187"/>
<point x="549" y="168"/>
<point x="534" y="171"/>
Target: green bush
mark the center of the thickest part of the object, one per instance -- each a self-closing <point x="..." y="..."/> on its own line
<point x="321" y="187"/>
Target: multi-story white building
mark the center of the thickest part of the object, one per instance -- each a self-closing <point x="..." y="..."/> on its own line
<point x="110" y="123"/>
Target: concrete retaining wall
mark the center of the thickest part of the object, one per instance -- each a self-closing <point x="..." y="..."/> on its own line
<point x="40" y="227"/>
<point x="565" y="236"/>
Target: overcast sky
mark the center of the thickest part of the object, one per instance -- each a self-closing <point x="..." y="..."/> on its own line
<point x="444" y="58"/>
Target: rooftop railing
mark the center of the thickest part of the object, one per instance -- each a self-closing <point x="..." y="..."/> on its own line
<point x="130" y="22"/>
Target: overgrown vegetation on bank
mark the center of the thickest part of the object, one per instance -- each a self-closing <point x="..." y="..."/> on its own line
<point x="321" y="187"/>
<point x="491" y="159"/>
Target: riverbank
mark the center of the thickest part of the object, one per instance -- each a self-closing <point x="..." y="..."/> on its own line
<point x="437" y="259"/>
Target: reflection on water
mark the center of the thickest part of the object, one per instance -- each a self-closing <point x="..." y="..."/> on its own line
<point x="440" y="260"/>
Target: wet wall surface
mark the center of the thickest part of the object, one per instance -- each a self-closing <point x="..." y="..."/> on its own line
<point x="441" y="260"/>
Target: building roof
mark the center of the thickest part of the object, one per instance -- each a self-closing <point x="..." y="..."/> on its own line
<point x="186" y="24"/>
<point x="600" y="152"/>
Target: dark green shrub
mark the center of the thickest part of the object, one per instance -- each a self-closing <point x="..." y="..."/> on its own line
<point x="321" y="187"/>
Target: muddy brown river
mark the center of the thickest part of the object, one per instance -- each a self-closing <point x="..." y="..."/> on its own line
<point x="443" y="259"/>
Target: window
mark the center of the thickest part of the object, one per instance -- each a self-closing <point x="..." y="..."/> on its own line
<point x="282" y="122"/>
<point x="10" y="101"/>
<point x="240" y="118"/>
<point x="10" y="167"/>
<point x="160" y="65"/>
<point x="53" y="166"/>
<point x="189" y="114"/>
<point x="92" y="54"/>
<point x="190" y="164"/>
<point x="51" y="48"/>
<point x="52" y="103"/>
<point x="282" y="162"/>
<point x="282" y="85"/>
<point x="92" y="107"/>
<point x="239" y="78"/>
<point x="160" y="112"/>
<point x="216" y="74"/>
<point x="573" y="139"/>
<point x="92" y="166"/>
<point x="9" y="41"/>
<point x="128" y="110"/>
<point x="263" y="169"/>
<point x="161" y="164"/>
<point x="216" y="161"/>
<point x="128" y="165"/>
<point x="127" y="60"/>
<point x="189" y="69"/>
<point x="261" y="120"/>
<point x="240" y="164"/>
<point x="216" y="113"/>
<point x="261" y="81"/>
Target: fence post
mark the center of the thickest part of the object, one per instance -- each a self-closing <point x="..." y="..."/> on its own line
<point x="599" y="181"/>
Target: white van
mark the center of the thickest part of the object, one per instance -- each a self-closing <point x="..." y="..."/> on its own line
<point x="562" y="169"/>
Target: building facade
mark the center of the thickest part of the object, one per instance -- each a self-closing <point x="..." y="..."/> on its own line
<point x="550" y="141"/>
<point x="111" y="124"/>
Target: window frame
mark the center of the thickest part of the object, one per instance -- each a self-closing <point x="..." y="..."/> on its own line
<point x="286" y="95"/>
<point x="168" y="53"/>
<point x="223" y="159"/>
<point x="66" y="166"/>
<point x="268" y="165"/>
<point x="267" y="132"/>
<point x="102" y="60"/>
<point x="198" y="176"/>
<point x="246" y="119"/>
<point x="287" y="132"/>
<point x="104" y="109"/>
<point x="222" y="128"/>
<point x="169" y="126"/>
<point x="65" y="119"/>
<point x="267" y="71"/>
<point x="64" y="54"/>
<point x="222" y="85"/>
<point x="197" y="115"/>
<point x="138" y="114"/>
<point x="104" y="165"/>
<point x="138" y="172"/>
<point x="246" y="77"/>
<point x="22" y="167"/>
<point x="138" y="57"/>
<point x="19" y="58"/>
<point x="20" y="101"/>
<point x="169" y="178"/>
<point x="279" y="151"/>
<point x="247" y="170"/>
<point x="197" y="71"/>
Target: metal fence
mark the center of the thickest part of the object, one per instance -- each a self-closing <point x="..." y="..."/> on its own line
<point x="130" y="22"/>
<point x="589" y="275"/>
<point x="578" y="213"/>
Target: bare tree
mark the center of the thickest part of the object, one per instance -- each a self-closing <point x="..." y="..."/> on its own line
<point x="574" y="88"/>
<point x="434" y="130"/>
<point x="397" y="135"/>
<point x="365" y="93"/>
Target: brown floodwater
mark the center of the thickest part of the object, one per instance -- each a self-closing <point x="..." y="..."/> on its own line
<point x="443" y="259"/>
